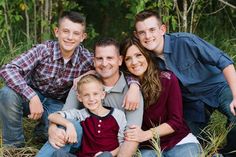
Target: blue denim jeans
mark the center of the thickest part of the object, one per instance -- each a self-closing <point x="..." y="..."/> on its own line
<point x="186" y="150"/>
<point x="47" y="150"/>
<point x="225" y="98"/>
<point x="12" y="110"/>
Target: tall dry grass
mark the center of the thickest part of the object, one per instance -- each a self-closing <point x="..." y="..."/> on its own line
<point x="215" y="139"/>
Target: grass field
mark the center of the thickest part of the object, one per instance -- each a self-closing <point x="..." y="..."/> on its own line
<point x="216" y="133"/>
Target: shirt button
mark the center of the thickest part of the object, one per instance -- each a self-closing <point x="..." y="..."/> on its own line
<point x="100" y="121"/>
<point x="99" y="131"/>
<point x="99" y="125"/>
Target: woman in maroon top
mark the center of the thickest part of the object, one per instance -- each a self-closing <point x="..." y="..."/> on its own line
<point x="163" y="114"/>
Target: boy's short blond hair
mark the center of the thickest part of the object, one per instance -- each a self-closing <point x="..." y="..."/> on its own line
<point x="87" y="79"/>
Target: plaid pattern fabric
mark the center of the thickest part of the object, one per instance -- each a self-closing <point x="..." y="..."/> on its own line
<point x="44" y="69"/>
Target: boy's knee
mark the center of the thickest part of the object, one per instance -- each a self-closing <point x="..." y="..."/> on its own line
<point x="8" y="96"/>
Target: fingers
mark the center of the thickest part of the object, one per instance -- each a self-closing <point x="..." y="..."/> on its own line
<point x="232" y="109"/>
<point x="72" y="139"/>
<point x="130" y="106"/>
<point x="35" y="116"/>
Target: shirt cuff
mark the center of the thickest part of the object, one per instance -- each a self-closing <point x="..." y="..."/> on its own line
<point x="224" y="61"/>
<point x="29" y="93"/>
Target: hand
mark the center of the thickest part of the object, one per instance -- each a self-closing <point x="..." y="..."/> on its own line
<point x="233" y="107"/>
<point x="135" y="133"/>
<point x="36" y="108"/>
<point x="76" y="80"/>
<point x="71" y="134"/>
<point x="132" y="98"/>
<point x="56" y="136"/>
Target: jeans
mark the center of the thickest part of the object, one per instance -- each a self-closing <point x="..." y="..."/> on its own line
<point x="225" y="98"/>
<point x="48" y="150"/>
<point x="61" y="153"/>
<point x="12" y="110"/>
<point x="188" y="150"/>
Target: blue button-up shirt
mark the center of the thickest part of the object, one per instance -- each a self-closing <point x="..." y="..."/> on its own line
<point x="198" y="66"/>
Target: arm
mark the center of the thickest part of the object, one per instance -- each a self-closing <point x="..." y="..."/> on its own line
<point x="127" y="148"/>
<point x="230" y="76"/>
<point x="115" y="151"/>
<point x="132" y="97"/>
<point x="71" y="135"/>
<point x="15" y="72"/>
<point x="135" y="133"/>
<point x="56" y="136"/>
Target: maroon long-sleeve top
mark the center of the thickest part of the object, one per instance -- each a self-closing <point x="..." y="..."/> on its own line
<point x="168" y="109"/>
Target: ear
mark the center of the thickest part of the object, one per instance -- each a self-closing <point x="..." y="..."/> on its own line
<point x="103" y="94"/>
<point x="84" y="36"/>
<point x="120" y="60"/>
<point x="163" y="29"/>
<point x="56" y="31"/>
<point x="79" y="97"/>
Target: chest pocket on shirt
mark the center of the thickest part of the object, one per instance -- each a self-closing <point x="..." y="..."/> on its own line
<point x="185" y="64"/>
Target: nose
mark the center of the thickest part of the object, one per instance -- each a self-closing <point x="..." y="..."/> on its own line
<point x="147" y="35"/>
<point x="70" y="36"/>
<point x="104" y="62"/>
<point x="134" y="61"/>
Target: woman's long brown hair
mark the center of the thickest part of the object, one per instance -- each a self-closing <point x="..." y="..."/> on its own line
<point x="150" y="82"/>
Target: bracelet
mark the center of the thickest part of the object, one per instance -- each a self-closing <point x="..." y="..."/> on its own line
<point x="154" y="132"/>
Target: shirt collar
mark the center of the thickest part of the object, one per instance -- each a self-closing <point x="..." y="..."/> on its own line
<point x="167" y="41"/>
<point x="57" y="53"/>
<point x="120" y="84"/>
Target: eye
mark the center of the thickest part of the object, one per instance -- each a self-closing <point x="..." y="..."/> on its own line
<point x="95" y="94"/>
<point x="127" y="58"/>
<point x="65" y="30"/>
<point x="139" y="55"/>
<point x="77" y="33"/>
<point x="152" y="29"/>
<point x="98" y="59"/>
<point x="141" y="33"/>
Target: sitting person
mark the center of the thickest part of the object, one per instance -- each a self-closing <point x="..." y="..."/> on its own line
<point x="163" y="111"/>
<point x="102" y="127"/>
<point x="107" y="60"/>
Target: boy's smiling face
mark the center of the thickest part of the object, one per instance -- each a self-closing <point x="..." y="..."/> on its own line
<point x="69" y="35"/>
<point x="91" y="94"/>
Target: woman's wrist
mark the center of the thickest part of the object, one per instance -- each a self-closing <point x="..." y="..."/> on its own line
<point x="154" y="132"/>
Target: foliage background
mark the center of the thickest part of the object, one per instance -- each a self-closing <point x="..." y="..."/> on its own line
<point x="27" y="22"/>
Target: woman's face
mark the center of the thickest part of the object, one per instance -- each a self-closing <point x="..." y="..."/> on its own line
<point x="135" y="61"/>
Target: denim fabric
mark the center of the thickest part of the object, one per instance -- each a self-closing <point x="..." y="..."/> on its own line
<point x="12" y="110"/>
<point x="62" y="153"/>
<point x="183" y="150"/>
<point x="198" y="65"/>
<point x="48" y="150"/>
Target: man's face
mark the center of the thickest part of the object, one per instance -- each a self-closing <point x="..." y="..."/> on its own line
<point x="150" y="34"/>
<point x="70" y="35"/>
<point x="107" y="61"/>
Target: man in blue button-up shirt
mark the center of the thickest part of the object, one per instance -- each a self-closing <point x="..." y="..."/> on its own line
<point x="206" y="74"/>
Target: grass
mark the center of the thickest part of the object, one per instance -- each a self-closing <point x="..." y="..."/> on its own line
<point x="215" y="131"/>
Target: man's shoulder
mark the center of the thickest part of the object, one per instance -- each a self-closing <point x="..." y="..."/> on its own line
<point x="181" y="35"/>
